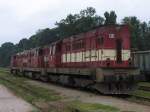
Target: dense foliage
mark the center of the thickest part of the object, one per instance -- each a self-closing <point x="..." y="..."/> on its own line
<point x="76" y="23"/>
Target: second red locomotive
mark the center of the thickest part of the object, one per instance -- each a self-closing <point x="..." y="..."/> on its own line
<point x="98" y="59"/>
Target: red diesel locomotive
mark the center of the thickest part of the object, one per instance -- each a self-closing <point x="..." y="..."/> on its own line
<point x="98" y="59"/>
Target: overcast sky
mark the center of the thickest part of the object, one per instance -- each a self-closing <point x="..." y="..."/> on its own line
<point x="22" y="18"/>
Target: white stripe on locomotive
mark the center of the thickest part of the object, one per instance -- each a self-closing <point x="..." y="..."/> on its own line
<point x="94" y="55"/>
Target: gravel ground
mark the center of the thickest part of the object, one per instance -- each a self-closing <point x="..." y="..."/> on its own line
<point x="72" y="94"/>
<point x="10" y="103"/>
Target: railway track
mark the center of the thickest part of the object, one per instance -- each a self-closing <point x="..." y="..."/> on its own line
<point x="143" y="92"/>
<point x="72" y="93"/>
<point x="29" y="90"/>
<point x="144" y="88"/>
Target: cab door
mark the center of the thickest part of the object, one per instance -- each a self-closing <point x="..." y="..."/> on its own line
<point x="40" y="58"/>
<point x="119" y="51"/>
<point x="93" y="52"/>
<point x="58" y="53"/>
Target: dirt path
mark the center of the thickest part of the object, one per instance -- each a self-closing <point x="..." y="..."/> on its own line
<point x="73" y="94"/>
<point x="10" y="103"/>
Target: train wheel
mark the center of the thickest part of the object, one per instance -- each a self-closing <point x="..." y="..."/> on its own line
<point x="11" y="71"/>
<point x="15" y="72"/>
<point x="71" y="81"/>
<point x="44" y="78"/>
<point x="54" y="78"/>
<point x="64" y="80"/>
<point x="23" y="73"/>
<point x="36" y="76"/>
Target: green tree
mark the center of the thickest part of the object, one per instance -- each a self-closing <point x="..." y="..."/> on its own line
<point x="110" y="18"/>
<point x="6" y="51"/>
<point x="23" y="44"/>
<point x="77" y="23"/>
<point x="139" y="33"/>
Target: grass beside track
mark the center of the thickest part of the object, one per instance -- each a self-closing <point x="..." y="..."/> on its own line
<point x="88" y="107"/>
<point x="47" y="100"/>
<point x="144" y="84"/>
<point x="142" y="94"/>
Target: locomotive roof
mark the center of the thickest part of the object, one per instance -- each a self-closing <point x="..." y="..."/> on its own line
<point x="80" y="35"/>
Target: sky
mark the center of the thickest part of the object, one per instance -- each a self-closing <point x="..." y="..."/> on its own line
<point x="23" y="18"/>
